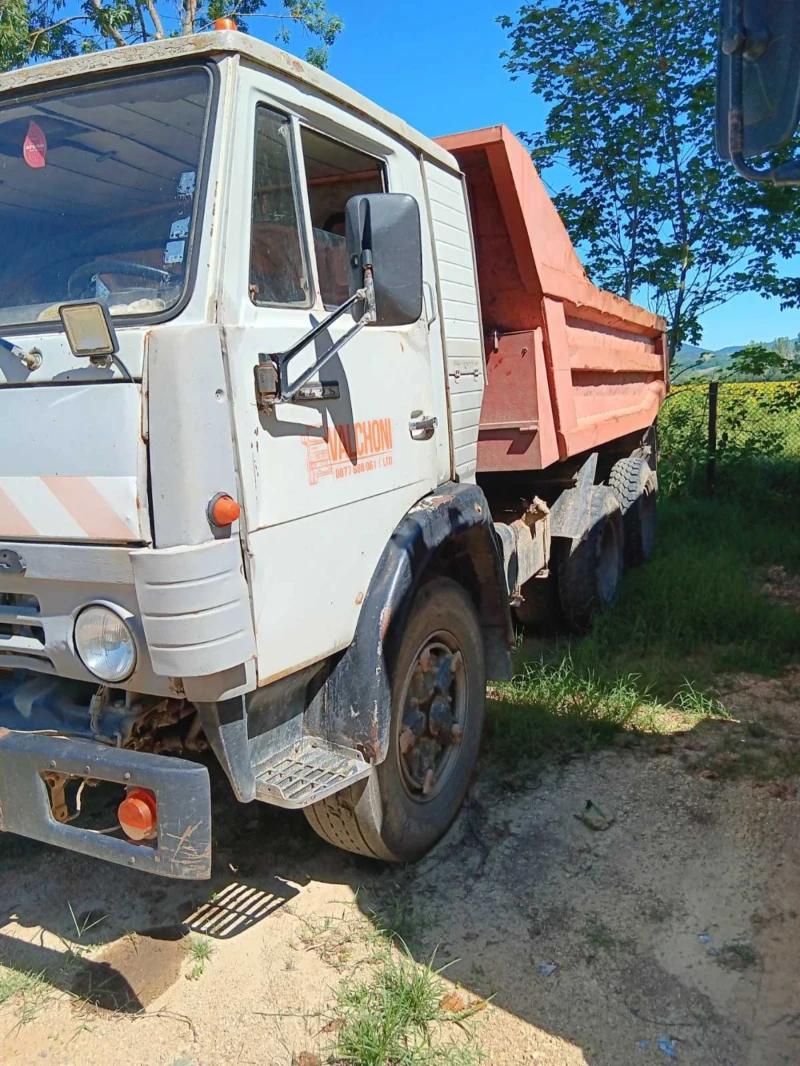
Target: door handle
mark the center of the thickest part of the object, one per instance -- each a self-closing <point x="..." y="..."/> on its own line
<point x="430" y="311"/>
<point x="422" y="427"/>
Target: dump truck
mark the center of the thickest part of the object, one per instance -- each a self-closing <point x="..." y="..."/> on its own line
<point x="299" y="409"/>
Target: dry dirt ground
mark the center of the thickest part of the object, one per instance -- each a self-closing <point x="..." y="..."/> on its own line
<point x="672" y="935"/>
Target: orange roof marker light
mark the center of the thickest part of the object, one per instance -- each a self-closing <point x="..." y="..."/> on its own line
<point x="225" y="23"/>
<point x="223" y="510"/>
<point x="138" y="814"/>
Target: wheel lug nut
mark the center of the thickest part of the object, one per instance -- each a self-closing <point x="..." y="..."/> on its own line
<point x="456" y="733"/>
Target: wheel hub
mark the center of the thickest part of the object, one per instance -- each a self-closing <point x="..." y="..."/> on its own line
<point x="433" y="718"/>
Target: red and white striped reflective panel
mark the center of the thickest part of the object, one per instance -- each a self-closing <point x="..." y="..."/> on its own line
<point x="69" y="508"/>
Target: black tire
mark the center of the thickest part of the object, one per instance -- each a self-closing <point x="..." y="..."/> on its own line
<point x="387" y="816"/>
<point x="635" y="485"/>
<point x="589" y="571"/>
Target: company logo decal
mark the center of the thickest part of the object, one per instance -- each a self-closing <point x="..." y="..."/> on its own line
<point x="350" y="449"/>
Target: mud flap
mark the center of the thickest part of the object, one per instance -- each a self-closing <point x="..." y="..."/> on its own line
<point x="183" y="844"/>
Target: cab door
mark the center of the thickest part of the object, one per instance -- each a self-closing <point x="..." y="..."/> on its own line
<point x="324" y="480"/>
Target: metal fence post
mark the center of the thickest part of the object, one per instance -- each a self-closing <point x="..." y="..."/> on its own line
<point x="711" y="466"/>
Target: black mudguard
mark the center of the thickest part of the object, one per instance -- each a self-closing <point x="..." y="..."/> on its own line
<point x="352" y="707"/>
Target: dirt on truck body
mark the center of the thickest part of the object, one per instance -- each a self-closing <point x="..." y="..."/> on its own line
<point x="271" y="310"/>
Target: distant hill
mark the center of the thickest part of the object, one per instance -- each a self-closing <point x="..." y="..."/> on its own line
<point x="693" y="363"/>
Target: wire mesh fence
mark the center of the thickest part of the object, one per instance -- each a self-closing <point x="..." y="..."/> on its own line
<point x="727" y="438"/>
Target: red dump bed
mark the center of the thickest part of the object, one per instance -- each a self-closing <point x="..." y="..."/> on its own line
<point x="569" y="366"/>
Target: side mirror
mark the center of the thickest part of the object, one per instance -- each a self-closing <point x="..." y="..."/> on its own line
<point x="758" y="83"/>
<point x="384" y="234"/>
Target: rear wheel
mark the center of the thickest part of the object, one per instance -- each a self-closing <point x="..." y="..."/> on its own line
<point x="590" y="570"/>
<point x="635" y="485"/>
<point x="438" y="696"/>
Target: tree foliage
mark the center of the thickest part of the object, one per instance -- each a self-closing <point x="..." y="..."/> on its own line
<point x="758" y="361"/>
<point x="630" y="89"/>
<point x="32" y="30"/>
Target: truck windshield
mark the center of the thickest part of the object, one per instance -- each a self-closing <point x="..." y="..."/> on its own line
<point x="98" y="190"/>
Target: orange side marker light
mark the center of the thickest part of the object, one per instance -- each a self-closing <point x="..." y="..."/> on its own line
<point x="223" y="510"/>
<point x="138" y="814"/>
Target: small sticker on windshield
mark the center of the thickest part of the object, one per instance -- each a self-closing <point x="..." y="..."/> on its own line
<point x="186" y="183"/>
<point x="174" y="252"/>
<point x="34" y="147"/>
<point x="179" y="229"/>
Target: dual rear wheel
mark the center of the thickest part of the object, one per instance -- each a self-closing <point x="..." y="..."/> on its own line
<point x="586" y="572"/>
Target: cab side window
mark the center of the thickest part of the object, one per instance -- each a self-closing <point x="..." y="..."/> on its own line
<point x="278" y="270"/>
<point x="334" y="173"/>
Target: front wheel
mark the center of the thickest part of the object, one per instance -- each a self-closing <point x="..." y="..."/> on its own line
<point x="438" y="703"/>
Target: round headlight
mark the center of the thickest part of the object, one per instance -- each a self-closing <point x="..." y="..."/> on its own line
<point x="105" y="643"/>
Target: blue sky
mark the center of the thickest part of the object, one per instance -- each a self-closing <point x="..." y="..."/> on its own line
<point x="438" y="66"/>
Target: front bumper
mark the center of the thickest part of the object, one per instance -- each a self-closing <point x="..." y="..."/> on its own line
<point x="183" y="845"/>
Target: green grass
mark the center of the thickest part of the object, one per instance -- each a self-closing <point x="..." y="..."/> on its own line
<point x="598" y="935"/>
<point x="395" y="1017"/>
<point x="697" y="614"/>
<point x="699" y="608"/>
<point x="25" y="990"/>
<point x="200" y="950"/>
<point x="554" y="710"/>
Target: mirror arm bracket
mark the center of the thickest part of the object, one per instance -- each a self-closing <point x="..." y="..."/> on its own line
<point x="271" y="373"/>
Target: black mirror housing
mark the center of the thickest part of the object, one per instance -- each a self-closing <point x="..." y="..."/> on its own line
<point x="759" y="72"/>
<point x="383" y="230"/>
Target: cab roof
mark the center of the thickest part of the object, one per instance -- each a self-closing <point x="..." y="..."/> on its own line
<point x="218" y="43"/>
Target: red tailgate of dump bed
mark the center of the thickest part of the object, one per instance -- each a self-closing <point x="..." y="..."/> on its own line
<point x="569" y="366"/>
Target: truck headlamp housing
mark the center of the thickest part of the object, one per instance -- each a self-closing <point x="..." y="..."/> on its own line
<point x="105" y="643"/>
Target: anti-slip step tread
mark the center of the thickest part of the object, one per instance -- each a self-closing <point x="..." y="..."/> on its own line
<point x="306" y="774"/>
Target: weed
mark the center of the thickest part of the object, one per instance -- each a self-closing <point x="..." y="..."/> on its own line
<point x="397" y="917"/>
<point x="333" y="939"/>
<point x="738" y="956"/>
<point x="87" y="922"/>
<point x="200" y="950"/>
<point x="27" y="989"/>
<point x="396" y="1018"/>
<point x="598" y="935"/>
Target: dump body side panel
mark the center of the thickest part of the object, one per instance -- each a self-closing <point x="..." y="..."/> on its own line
<point x="569" y="366"/>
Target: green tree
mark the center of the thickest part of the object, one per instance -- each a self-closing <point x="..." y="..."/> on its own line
<point x="630" y="89"/>
<point x="41" y="29"/>
<point x="759" y="361"/>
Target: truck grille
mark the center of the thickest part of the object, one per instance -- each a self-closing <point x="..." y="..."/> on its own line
<point x="20" y="638"/>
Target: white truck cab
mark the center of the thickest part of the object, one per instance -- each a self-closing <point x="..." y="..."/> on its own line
<point x="198" y="189"/>
<point x="242" y="362"/>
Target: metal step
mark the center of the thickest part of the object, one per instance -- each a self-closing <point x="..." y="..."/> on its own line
<point x="307" y="773"/>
